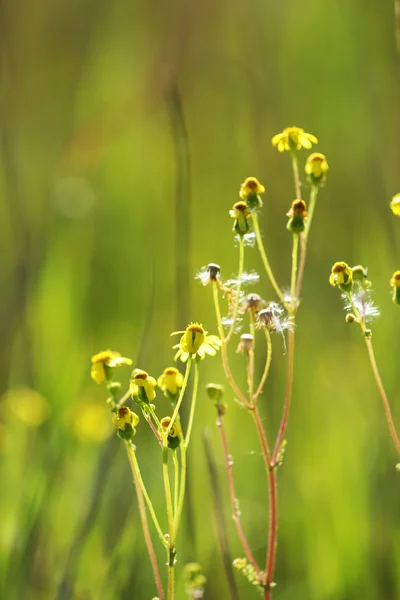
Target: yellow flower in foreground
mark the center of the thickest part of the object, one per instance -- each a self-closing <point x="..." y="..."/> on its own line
<point x="316" y="168"/>
<point x="125" y="417"/>
<point x="293" y="138"/>
<point x="251" y="186"/>
<point x="341" y="274"/>
<point x="103" y="361"/>
<point x="395" y="205"/>
<point x="170" y="381"/>
<point x="196" y="342"/>
<point x="142" y="384"/>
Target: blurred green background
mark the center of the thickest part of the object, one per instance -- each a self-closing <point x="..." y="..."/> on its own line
<point x="126" y="129"/>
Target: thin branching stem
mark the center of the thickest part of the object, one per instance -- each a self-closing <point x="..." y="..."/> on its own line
<point x="176" y="479"/>
<point x="241" y="397"/>
<point x="171" y="529"/>
<point x="180" y="398"/>
<point x="145" y="526"/>
<point x="267" y="364"/>
<point x="375" y="370"/>
<point x="238" y="288"/>
<point x="304" y="239"/>
<point x="232" y="493"/>
<point x="296" y="176"/>
<point x="264" y="258"/>
<point x="138" y="478"/>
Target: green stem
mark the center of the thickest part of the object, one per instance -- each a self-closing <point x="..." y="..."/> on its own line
<point x="193" y="406"/>
<point x="304" y="238"/>
<point x="264" y="257"/>
<point x="176" y="480"/>
<point x="241" y="397"/>
<point x="179" y="401"/>
<point x="145" y="525"/>
<point x="293" y="299"/>
<point x="239" y="285"/>
<point x="138" y="477"/>
<point x="267" y="364"/>
<point x="296" y="176"/>
<point x="171" y="529"/>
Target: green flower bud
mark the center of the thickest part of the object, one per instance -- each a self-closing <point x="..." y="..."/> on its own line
<point x="297" y="216"/>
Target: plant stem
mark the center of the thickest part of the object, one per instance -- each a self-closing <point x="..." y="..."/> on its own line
<point x="273" y="506"/>
<point x="184" y="446"/>
<point x="293" y="301"/>
<point x="176" y="479"/>
<point x="145" y="527"/>
<point x="232" y="493"/>
<point x="237" y="298"/>
<point x="375" y="370"/>
<point x="180" y="398"/>
<point x="138" y="478"/>
<point x="296" y="176"/>
<point x="224" y="355"/>
<point x="288" y="396"/>
<point x="264" y="257"/>
<point x="267" y="364"/>
<point x="304" y="238"/>
<point x="251" y="361"/>
<point x="171" y="529"/>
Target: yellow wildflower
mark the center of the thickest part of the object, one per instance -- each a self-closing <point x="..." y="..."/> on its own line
<point x="196" y="342"/>
<point x="316" y="168"/>
<point x="143" y="385"/>
<point x="170" y="381"/>
<point x="395" y="205"/>
<point x="293" y="138"/>
<point x="175" y="430"/>
<point x="341" y="274"/>
<point x="105" y="360"/>
<point x="125" y="417"/>
<point x="241" y="213"/>
<point x="250" y="187"/>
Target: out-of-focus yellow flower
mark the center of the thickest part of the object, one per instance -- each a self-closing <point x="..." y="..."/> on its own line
<point x="251" y="186"/>
<point x="105" y="360"/>
<point x="125" y="417"/>
<point x="196" y="342"/>
<point x="341" y="274"/>
<point x="143" y="383"/>
<point x="293" y="138"/>
<point x="297" y="215"/>
<point x="170" y="381"/>
<point x="241" y="213"/>
<point x="316" y="168"/>
<point x="28" y="406"/>
<point x="90" y="421"/>
<point x="395" y="284"/>
<point x="395" y="205"/>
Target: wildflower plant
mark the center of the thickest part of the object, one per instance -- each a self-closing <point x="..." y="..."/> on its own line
<point x="263" y="318"/>
<point x="171" y="438"/>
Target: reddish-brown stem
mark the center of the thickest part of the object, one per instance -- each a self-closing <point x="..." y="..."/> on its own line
<point x="288" y="395"/>
<point x="273" y="506"/>
<point x="146" y="531"/>
<point x="382" y="392"/>
<point x="232" y="493"/>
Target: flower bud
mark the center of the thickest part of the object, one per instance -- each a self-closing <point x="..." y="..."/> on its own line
<point x="316" y="168"/>
<point x="175" y="433"/>
<point x="350" y="318"/>
<point x="395" y="284"/>
<point x="215" y="392"/>
<point x="170" y="381"/>
<point x="360" y="277"/>
<point x="142" y="387"/>
<point x="241" y="213"/>
<point x="246" y="343"/>
<point x="297" y="215"/>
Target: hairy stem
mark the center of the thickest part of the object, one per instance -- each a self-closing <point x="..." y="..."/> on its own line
<point x="238" y="288"/>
